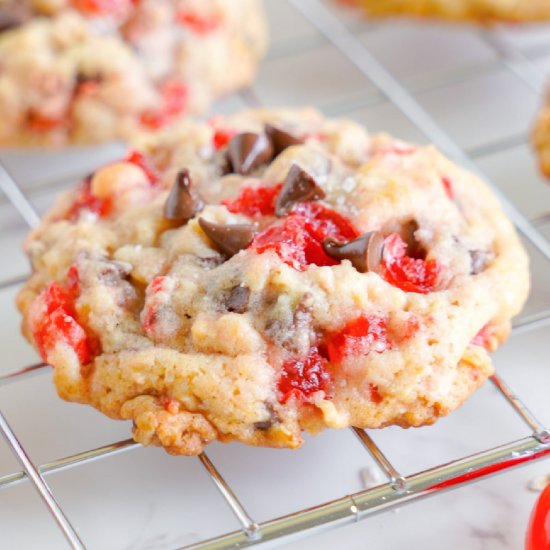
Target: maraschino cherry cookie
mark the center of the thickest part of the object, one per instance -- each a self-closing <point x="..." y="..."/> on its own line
<point x="541" y="138"/>
<point x="87" y="71"/>
<point x="481" y="11"/>
<point x="268" y="273"/>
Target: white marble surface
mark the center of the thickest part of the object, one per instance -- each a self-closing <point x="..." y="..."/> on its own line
<point x="145" y="499"/>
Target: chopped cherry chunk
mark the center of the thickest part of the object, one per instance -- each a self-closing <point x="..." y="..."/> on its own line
<point x="298" y="240"/>
<point x="173" y="103"/>
<point x="375" y="396"/>
<point x="486" y="338"/>
<point x="222" y="137"/>
<point x="150" y="315"/>
<point x="103" y="7"/>
<point x="41" y="124"/>
<point x="139" y="159"/>
<point x="258" y="201"/>
<point x="324" y="222"/>
<point x="359" y="337"/>
<point x="408" y="274"/>
<point x="448" y="186"/>
<point x="198" y="23"/>
<point x="57" y="323"/>
<point x="302" y="377"/>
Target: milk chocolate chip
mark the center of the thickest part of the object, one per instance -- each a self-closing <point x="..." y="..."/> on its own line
<point x="184" y="201"/>
<point x="238" y="299"/>
<point x="229" y="239"/>
<point x="10" y="20"/>
<point x="364" y="253"/>
<point x="479" y="260"/>
<point x="247" y="151"/>
<point x="298" y="186"/>
<point x="414" y="248"/>
<point x="273" y="418"/>
<point x="281" y="139"/>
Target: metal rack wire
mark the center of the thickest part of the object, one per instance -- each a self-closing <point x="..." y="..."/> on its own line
<point x="399" y="489"/>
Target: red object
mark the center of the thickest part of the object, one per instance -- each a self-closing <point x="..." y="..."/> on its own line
<point x="41" y="124"/>
<point x="88" y="87"/>
<point x="139" y="159"/>
<point x="73" y="281"/>
<point x="359" y="337"/>
<point x="298" y="240"/>
<point x="174" y="102"/>
<point x="483" y="338"/>
<point x="221" y="137"/>
<point x="448" y="185"/>
<point x="408" y="274"/>
<point x="375" y="396"/>
<point x="86" y="201"/>
<point x="489" y="470"/>
<point x="200" y="24"/>
<point x="259" y="201"/>
<point x="302" y="377"/>
<point x="324" y="222"/>
<point x="103" y="7"/>
<point x="150" y="317"/>
<point x="58" y="323"/>
<point x="538" y="531"/>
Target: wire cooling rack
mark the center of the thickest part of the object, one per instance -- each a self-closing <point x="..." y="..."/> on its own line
<point x="399" y="489"/>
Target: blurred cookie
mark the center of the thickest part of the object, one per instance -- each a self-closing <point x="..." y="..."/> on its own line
<point x="87" y="71"/>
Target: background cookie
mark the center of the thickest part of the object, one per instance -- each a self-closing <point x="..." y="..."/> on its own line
<point x="85" y="71"/>
<point x="268" y="273"/>
<point x="541" y="139"/>
<point x="483" y="11"/>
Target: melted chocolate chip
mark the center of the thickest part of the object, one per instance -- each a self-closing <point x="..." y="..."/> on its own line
<point x="238" y="299"/>
<point x="414" y="248"/>
<point x="82" y="79"/>
<point x="229" y="239"/>
<point x="281" y="139"/>
<point x="364" y="253"/>
<point x="210" y="262"/>
<point x="114" y="272"/>
<point x="263" y="425"/>
<point x="479" y="260"/>
<point x="10" y="20"/>
<point x="247" y="151"/>
<point x="298" y="186"/>
<point x="273" y="419"/>
<point x="184" y="201"/>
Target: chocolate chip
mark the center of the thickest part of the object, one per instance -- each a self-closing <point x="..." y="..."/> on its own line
<point x="247" y="151"/>
<point x="364" y="253"/>
<point x="229" y="239"/>
<point x="479" y="260"/>
<point x="238" y="299"/>
<point x="281" y="139"/>
<point x="10" y="20"/>
<point x="210" y="262"/>
<point x="112" y="273"/>
<point x="298" y="186"/>
<point x="184" y="201"/>
<point x="273" y="419"/>
<point x="414" y="248"/>
<point x="82" y="79"/>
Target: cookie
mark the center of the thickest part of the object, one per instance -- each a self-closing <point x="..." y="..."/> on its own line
<point x="541" y="138"/>
<point x="269" y="273"/>
<point x="481" y="11"/>
<point x="88" y="71"/>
